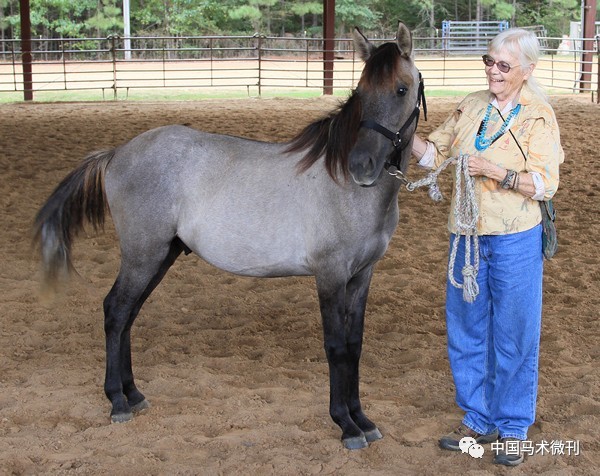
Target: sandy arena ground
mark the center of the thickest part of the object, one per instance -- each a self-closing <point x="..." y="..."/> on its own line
<point x="234" y="367"/>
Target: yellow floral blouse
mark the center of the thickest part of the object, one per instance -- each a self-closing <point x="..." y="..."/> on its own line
<point x="535" y="127"/>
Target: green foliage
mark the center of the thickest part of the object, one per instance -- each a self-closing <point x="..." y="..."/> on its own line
<point x="555" y="15"/>
<point x="108" y="18"/>
<point x="350" y="13"/>
<point x="91" y="18"/>
<point x="502" y="10"/>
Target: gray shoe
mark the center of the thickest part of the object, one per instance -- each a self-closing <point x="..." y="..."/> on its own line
<point x="451" y="441"/>
<point x="511" y="454"/>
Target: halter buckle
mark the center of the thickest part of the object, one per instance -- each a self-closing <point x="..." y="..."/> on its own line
<point x="397" y="140"/>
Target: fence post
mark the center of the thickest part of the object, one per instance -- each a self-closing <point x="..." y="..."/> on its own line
<point x="14" y="63"/>
<point x="113" y="52"/>
<point x="64" y="62"/>
<point x="210" y="46"/>
<point x="307" y="60"/>
<point x="164" y="61"/>
<point x="598" y="69"/>
<point x="328" y="45"/>
<point x="587" y="55"/>
<point x="26" y="58"/>
<point x="259" y="39"/>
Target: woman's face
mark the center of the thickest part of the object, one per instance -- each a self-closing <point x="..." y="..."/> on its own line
<point x="506" y="86"/>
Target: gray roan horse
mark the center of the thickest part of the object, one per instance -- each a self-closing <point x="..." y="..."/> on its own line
<point x="321" y="205"/>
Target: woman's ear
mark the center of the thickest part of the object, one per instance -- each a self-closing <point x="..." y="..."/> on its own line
<point x="528" y="71"/>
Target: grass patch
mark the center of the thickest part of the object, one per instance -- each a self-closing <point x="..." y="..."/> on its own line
<point x="162" y="95"/>
<point x="199" y="94"/>
<point x="183" y="94"/>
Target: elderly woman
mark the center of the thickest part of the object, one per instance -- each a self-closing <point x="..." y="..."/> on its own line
<point x="511" y="137"/>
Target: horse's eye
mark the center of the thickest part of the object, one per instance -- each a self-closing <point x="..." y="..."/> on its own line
<point x="401" y="91"/>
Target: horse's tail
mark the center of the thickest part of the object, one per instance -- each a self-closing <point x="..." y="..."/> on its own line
<point x="80" y="197"/>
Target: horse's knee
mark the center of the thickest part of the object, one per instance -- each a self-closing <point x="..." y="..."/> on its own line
<point x="336" y="353"/>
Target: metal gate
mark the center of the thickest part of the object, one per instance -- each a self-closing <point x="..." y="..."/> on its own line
<point x="471" y="36"/>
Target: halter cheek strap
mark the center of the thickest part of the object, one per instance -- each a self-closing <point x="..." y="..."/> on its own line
<point x="399" y="141"/>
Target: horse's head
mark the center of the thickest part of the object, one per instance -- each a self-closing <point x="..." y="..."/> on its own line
<point x="376" y="124"/>
<point x="389" y="92"/>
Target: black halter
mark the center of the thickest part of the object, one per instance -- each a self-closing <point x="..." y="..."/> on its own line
<point x="398" y="138"/>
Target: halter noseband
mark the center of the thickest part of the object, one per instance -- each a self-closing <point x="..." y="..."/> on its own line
<point x="398" y="140"/>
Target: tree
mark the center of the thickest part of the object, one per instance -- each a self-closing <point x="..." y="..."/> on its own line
<point x="306" y="8"/>
<point x="351" y="13"/>
<point x="81" y="18"/>
<point x="107" y="19"/>
<point x="257" y="12"/>
<point x="555" y="15"/>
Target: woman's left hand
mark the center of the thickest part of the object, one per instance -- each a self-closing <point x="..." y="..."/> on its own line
<point x="479" y="166"/>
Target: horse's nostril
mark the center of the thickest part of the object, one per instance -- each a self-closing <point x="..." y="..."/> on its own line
<point x="370" y="165"/>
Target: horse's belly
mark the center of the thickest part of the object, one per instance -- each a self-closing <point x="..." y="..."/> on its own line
<point x="249" y="252"/>
<point x="258" y="269"/>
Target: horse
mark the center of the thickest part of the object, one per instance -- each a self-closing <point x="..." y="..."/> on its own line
<point x="319" y="205"/>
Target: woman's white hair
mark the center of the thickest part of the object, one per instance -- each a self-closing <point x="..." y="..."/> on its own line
<point x="521" y="44"/>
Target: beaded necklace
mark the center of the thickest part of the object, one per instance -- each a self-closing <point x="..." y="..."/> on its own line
<point x="481" y="142"/>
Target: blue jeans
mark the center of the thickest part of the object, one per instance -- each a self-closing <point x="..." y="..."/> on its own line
<point x="493" y="343"/>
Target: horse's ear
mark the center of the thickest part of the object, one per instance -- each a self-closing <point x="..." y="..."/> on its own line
<point x="362" y="45"/>
<point x="404" y="40"/>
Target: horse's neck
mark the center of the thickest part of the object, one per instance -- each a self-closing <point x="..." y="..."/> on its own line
<point x="379" y="202"/>
<point x="389" y="188"/>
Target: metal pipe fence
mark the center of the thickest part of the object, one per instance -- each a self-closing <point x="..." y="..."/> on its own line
<point x="255" y="64"/>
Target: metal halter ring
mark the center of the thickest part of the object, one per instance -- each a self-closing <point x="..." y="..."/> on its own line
<point x="397" y="173"/>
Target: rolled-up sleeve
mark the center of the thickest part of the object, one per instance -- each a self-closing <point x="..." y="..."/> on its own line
<point x="443" y="137"/>
<point x="545" y="153"/>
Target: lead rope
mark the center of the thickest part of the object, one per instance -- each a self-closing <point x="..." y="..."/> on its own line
<point x="466" y="215"/>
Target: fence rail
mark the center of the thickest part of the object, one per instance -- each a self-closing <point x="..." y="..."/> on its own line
<point x="257" y="63"/>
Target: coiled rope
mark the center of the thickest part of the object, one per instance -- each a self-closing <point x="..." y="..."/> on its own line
<point x="466" y="215"/>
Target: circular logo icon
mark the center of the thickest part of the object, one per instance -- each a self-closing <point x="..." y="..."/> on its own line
<point x="465" y="443"/>
<point x="471" y="447"/>
<point x="476" y="450"/>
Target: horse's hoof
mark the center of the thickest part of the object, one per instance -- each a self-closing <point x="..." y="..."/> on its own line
<point x="373" y="435"/>
<point x="121" y="417"/>
<point x="355" y="443"/>
<point x="140" y="407"/>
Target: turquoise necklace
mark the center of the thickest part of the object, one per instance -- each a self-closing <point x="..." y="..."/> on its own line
<point x="481" y="142"/>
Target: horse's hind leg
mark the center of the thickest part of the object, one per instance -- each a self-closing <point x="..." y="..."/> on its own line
<point x="121" y="306"/>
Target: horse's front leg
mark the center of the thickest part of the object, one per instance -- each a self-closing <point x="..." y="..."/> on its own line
<point x="340" y="356"/>
<point x="357" y="292"/>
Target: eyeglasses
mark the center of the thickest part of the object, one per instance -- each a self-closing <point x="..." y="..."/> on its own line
<point x="503" y="66"/>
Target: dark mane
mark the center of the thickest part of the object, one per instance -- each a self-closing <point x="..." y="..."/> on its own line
<point x="335" y="134"/>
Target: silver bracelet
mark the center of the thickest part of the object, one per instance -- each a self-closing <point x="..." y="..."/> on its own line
<point x="508" y="179"/>
<point x="516" y="184"/>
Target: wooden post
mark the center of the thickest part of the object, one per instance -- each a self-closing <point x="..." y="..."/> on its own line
<point x="26" y="50"/>
<point x="587" y="55"/>
<point x="328" y="45"/>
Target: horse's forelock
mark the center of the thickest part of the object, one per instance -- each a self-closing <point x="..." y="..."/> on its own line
<point x="382" y="66"/>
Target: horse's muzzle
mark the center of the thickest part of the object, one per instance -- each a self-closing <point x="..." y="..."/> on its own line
<point x="365" y="171"/>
